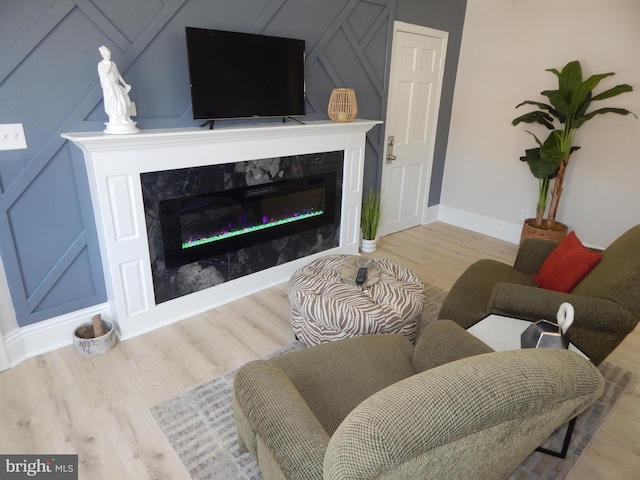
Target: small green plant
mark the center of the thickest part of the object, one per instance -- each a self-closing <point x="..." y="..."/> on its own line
<point x="371" y="214"/>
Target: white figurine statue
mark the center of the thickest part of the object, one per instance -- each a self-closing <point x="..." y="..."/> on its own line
<point x="116" y="96"/>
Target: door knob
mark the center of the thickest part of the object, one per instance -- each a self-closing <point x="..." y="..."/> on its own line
<point x="390" y="142"/>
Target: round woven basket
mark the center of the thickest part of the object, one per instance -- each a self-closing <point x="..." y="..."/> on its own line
<point x="532" y="230"/>
<point x="343" y="106"/>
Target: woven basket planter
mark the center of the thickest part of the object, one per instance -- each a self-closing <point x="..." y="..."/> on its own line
<point x="531" y="230"/>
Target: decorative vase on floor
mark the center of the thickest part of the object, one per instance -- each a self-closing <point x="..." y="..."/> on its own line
<point x="368" y="246"/>
<point x="86" y="344"/>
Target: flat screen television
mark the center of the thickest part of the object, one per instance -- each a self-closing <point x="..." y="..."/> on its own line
<point x="239" y="75"/>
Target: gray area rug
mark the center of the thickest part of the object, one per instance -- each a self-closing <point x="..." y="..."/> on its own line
<point x="199" y="424"/>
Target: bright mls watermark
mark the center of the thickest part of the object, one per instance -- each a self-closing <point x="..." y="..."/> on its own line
<point x="50" y="467"/>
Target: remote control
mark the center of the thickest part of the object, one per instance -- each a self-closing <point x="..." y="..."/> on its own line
<point x="362" y="273"/>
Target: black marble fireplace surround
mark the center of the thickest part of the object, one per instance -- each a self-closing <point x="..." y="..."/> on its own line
<point x="166" y="187"/>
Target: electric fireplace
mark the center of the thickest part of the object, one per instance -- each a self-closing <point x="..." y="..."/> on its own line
<point x="210" y="224"/>
<point x="129" y="175"/>
<point x="198" y="227"/>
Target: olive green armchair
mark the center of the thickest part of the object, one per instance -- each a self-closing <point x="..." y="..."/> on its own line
<point x="606" y="301"/>
<point x="377" y="407"/>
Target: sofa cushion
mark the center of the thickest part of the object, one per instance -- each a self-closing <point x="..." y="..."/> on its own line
<point x="333" y="378"/>
<point x="567" y="264"/>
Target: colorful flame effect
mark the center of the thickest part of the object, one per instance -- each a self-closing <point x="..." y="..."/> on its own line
<point x="266" y="223"/>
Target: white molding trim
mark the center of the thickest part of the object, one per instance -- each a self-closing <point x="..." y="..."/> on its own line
<point x="4" y="356"/>
<point x="492" y="227"/>
<point x="509" y="232"/>
<point x="38" y="338"/>
<point x="431" y="214"/>
<point x="8" y="321"/>
<point x="54" y="333"/>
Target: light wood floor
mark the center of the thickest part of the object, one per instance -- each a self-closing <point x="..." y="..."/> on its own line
<point x="99" y="407"/>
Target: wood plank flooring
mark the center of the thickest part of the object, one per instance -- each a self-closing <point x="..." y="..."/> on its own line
<point x="99" y="407"/>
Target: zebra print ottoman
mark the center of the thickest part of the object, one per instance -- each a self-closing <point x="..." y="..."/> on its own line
<point x="324" y="307"/>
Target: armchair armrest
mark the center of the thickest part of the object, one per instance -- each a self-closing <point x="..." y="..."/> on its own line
<point x="532" y="254"/>
<point x="445" y="341"/>
<point x="533" y="303"/>
<point x="473" y="405"/>
<point x="281" y="419"/>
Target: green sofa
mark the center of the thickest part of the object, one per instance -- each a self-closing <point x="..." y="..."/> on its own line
<point x="606" y="301"/>
<point x="377" y="407"/>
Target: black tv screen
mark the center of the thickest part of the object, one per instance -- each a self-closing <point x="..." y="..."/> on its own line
<point x="236" y="75"/>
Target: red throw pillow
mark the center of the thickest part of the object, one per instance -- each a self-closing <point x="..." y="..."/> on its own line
<point x="567" y="264"/>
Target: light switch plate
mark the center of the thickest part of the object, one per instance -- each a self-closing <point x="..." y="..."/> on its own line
<point x="12" y="136"/>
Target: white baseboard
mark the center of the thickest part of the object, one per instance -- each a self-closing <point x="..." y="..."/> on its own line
<point x="48" y="335"/>
<point x="33" y="340"/>
<point x="42" y="337"/>
<point x="491" y="227"/>
<point x="430" y="214"/>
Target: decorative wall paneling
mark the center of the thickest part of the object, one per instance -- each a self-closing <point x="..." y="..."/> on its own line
<point x="48" y="82"/>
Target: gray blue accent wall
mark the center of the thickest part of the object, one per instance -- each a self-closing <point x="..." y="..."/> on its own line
<point x="49" y="83"/>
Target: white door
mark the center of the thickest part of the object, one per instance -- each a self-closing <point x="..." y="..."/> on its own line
<point x="417" y="68"/>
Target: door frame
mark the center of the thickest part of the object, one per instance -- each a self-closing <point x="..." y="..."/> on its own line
<point x="399" y="26"/>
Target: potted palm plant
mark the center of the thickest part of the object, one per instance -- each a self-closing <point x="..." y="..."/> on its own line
<point x="370" y="220"/>
<point x="565" y="113"/>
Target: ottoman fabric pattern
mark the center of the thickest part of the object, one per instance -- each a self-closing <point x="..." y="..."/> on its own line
<point x="324" y="307"/>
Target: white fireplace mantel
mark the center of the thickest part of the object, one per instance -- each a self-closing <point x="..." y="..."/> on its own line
<point x="114" y="164"/>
